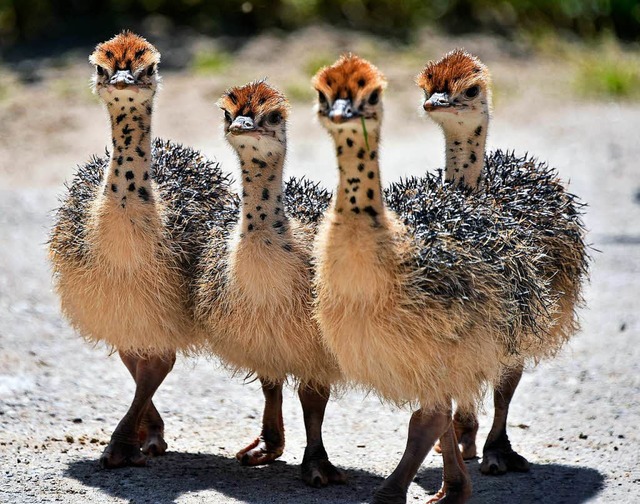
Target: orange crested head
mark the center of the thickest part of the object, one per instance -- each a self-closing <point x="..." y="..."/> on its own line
<point x="349" y="89"/>
<point x="125" y="62"/>
<point x="255" y="112"/>
<point x="458" y="82"/>
<point x="255" y="100"/>
<point x="454" y="73"/>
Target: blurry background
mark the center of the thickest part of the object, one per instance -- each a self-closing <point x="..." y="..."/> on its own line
<point x="567" y="90"/>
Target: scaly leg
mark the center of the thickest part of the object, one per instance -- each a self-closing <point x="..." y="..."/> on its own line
<point x="151" y="431"/>
<point x="456" y="485"/>
<point x="465" y="424"/>
<point x="498" y="457"/>
<point x="424" y="429"/>
<point x="317" y="471"/>
<point x="270" y="444"/>
<point x="124" y="447"/>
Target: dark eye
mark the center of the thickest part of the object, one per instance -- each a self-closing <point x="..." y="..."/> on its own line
<point x="322" y="98"/>
<point x="374" y="97"/>
<point x="472" y="92"/>
<point x="227" y="116"/>
<point x="151" y="70"/>
<point x="100" y="70"/>
<point x="274" y="118"/>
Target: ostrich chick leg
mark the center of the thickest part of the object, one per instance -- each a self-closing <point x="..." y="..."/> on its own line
<point x="124" y="447"/>
<point x="317" y="471"/>
<point x="151" y="430"/>
<point x="498" y="457"/>
<point x="456" y="485"/>
<point x="270" y="444"/>
<point x="465" y="425"/>
<point x="424" y="429"/>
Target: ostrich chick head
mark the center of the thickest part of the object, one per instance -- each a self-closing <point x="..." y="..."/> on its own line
<point x="457" y="89"/>
<point x="349" y="91"/>
<point x="255" y="118"/>
<point x="126" y="69"/>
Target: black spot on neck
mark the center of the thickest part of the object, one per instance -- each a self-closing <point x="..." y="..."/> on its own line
<point x="361" y="154"/>
<point x="478" y="131"/>
<point x="129" y="175"/>
<point x="350" y="142"/>
<point x="370" y="193"/>
<point x="143" y="193"/>
<point x="259" y="162"/>
<point x="369" y="210"/>
<point x="265" y="194"/>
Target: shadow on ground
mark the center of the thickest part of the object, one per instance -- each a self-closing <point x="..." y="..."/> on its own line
<point x="549" y="483"/>
<point x="176" y="474"/>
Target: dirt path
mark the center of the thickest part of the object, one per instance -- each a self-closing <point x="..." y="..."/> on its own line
<point x="575" y="418"/>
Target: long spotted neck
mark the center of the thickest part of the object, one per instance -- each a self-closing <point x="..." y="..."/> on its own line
<point x="359" y="188"/>
<point x="262" y="207"/>
<point x="128" y="181"/>
<point x="465" y="146"/>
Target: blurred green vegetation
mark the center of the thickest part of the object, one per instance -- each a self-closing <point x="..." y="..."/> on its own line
<point x="34" y="20"/>
<point x="609" y="76"/>
<point x="211" y="62"/>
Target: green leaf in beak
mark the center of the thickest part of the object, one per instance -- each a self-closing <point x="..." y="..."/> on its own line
<point x="364" y="130"/>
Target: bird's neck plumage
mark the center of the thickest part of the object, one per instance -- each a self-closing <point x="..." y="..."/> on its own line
<point x="465" y="147"/>
<point x="262" y="206"/>
<point x="128" y="179"/>
<point x="359" y="193"/>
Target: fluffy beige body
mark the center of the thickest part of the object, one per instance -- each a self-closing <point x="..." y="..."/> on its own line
<point x="128" y="289"/>
<point x="375" y="322"/>
<point x="260" y="321"/>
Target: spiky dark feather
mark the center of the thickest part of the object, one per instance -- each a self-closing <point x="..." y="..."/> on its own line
<point x="523" y="224"/>
<point x="196" y="193"/>
<point x="305" y="200"/>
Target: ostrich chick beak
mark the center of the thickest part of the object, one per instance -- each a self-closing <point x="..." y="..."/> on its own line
<point x="242" y="124"/>
<point x="341" y="111"/>
<point x="437" y="101"/>
<point x="122" y="79"/>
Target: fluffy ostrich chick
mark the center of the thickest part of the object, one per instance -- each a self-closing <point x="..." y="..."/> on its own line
<point x="255" y="296"/>
<point x="424" y="299"/>
<point x="126" y="239"/>
<point x="458" y="97"/>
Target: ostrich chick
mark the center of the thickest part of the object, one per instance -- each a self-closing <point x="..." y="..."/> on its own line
<point x="421" y="304"/>
<point x="458" y="97"/>
<point x="255" y="297"/>
<point x="126" y="238"/>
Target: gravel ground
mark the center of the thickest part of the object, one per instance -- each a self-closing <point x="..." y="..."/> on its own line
<point x="575" y="418"/>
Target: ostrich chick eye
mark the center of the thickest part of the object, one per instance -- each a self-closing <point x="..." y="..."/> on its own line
<point x="227" y="116"/>
<point x="151" y="70"/>
<point x="472" y="92"/>
<point x="100" y="71"/>
<point x="374" y="97"/>
<point x="274" y="118"/>
<point x="322" y="98"/>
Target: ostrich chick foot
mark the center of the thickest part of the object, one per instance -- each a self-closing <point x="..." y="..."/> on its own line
<point x="153" y="442"/>
<point x="122" y="454"/>
<point x="452" y="493"/>
<point x="260" y="452"/>
<point x="497" y="461"/>
<point x="319" y="472"/>
<point x="389" y="494"/>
